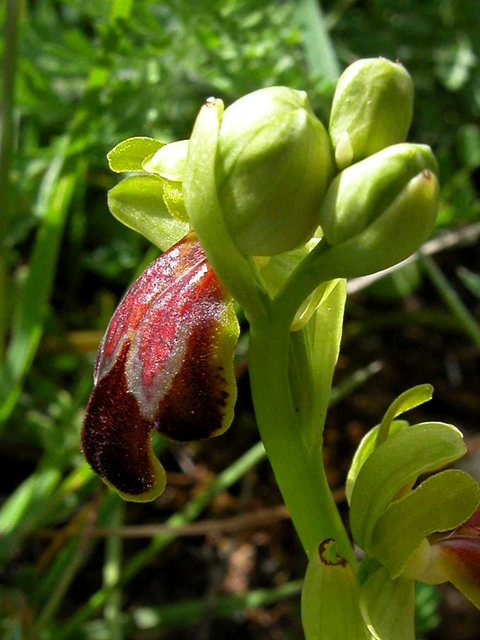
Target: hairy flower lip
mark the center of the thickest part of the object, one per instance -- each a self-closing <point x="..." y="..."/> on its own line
<point x="165" y="363"/>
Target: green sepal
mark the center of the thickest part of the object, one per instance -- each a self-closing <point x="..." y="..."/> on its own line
<point x="130" y="154"/>
<point x="169" y="161"/>
<point x="364" y="450"/>
<point x="440" y="503"/>
<point x="395" y="464"/>
<point x="407" y="400"/>
<point x="138" y="203"/>
<point x="393" y="236"/>
<point x="388" y="606"/>
<point x="330" y="599"/>
<point x="273" y="166"/>
<point x="363" y="193"/>
<point x="236" y="272"/>
<point x="372" y="109"/>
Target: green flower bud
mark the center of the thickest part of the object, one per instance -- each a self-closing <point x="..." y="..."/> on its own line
<point x="379" y="211"/>
<point x="372" y="109"/>
<point x="360" y="194"/>
<point x="274" y="164"/>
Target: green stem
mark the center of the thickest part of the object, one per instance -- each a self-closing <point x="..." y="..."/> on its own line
<point x="300" y="473"/>
<point x="6" y="150"/>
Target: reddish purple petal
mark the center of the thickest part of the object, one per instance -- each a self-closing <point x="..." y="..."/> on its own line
<point x="471" y="527"/>
<point x="166" y="362"/>
<point x="459" y="558"/>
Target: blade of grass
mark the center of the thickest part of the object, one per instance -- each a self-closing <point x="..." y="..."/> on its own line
<point x="6" y="152"/>
<point x="55" y="559"/>
<point x="192" y="510"/>
<point x="471" y="280"/>
<point x="20" y="511"/>
<point x="319" y="51"/>
<point x="153" y="619"/>
<point x="452" y="299"/>
<point x="112" y="569"/>
<point x="37" y="289"/>
<point x="88" y="517"/>
<point x="29" y="324"/>
<point x="187" y="612"/>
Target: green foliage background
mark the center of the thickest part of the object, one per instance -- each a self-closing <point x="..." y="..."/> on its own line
<point x="89" y="73"/>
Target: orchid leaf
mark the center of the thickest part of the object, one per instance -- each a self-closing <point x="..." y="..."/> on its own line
<point x="364" y="450"/>
<point x="138" y="203"/>
<point x="407" y="400"/>
<point x="313" y="356"/>
<point x="330" y="599"/>
<point x="440" y="503"/>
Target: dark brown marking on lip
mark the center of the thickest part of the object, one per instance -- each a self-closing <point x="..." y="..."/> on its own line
<point x="116" y="440"/>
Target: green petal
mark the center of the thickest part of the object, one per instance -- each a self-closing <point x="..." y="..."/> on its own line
<point x="330" y="599"/>
<point x="138" y="203"/>
<point x="169" y="161"/>
<point x="130" y="154"/>
<point x="173" y="198"/>
<point x="395" y="464"/>
<point x="388" y="606"/>
<point x="365" y="449"/>
<point x="440" y="503"/>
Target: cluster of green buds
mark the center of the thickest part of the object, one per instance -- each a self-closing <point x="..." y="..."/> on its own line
<point x="427" y="531"/>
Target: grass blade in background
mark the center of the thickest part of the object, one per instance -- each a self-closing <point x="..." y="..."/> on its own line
<point x="452" y="299"/>
<point x="36" y="291"/>
<point x="30" y="321"/>
<point x="6" y="152"/>
<point x="319" y="52"/>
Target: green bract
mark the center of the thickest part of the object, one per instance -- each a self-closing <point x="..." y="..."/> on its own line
<point x="274" y="162"/>
<point x="330" y="598"/>
<point x="372" y="109"/>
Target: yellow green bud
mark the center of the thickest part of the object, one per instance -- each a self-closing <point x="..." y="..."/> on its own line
<point x="361" y="194"/>
<point x="379" y="211"/>
<point x="274" y="164"/>
<point x="372" y="109"/>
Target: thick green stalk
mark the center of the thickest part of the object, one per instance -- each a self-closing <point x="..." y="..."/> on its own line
<point x="300" y="473"/>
